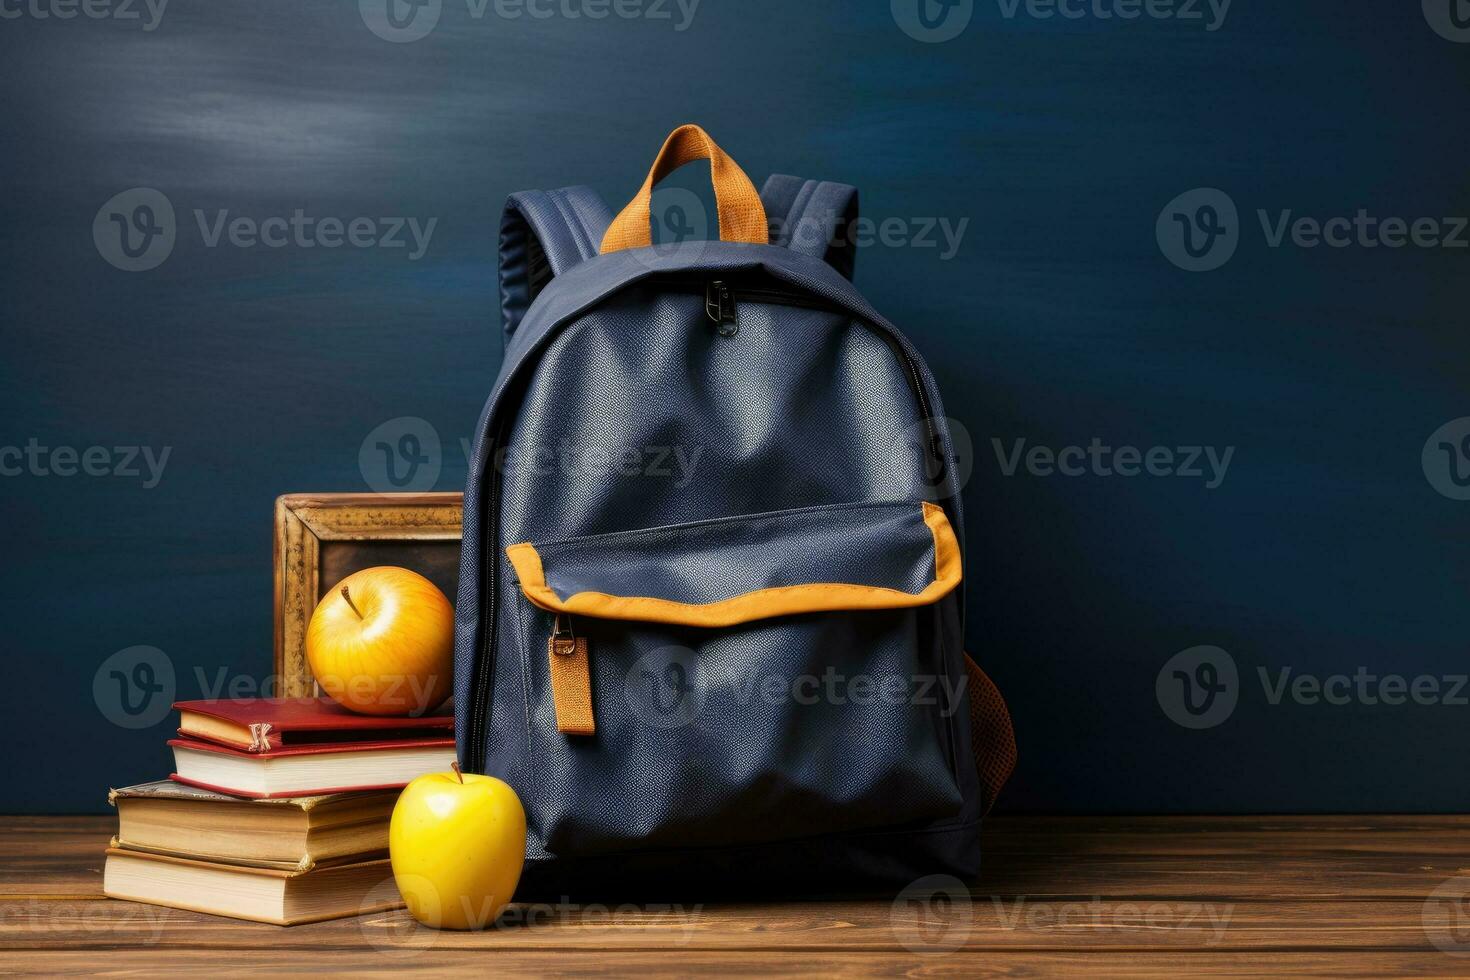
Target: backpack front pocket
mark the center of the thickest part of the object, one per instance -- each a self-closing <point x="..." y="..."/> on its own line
<point x="745" y="679"/>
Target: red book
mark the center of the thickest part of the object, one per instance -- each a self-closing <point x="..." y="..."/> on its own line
<point x="308" y="770"/>
<point x="269" y="724"/>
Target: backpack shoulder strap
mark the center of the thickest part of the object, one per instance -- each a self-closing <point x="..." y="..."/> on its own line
<point x="812" y="217"/>
<point x="542" y="235"/>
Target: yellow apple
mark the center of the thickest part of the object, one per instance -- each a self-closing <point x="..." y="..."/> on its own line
<point x="382" y="642"/>
<point x="457" y="842"/>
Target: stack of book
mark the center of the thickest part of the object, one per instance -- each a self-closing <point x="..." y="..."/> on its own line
<point x="277" y="810"/>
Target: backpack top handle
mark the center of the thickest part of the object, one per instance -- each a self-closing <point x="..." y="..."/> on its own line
<point x="742" y="216"/>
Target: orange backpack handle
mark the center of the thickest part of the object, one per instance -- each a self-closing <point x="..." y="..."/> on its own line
<point x="742" y="217"/>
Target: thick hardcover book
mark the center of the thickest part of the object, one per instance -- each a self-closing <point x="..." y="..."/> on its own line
<point x="284" y="898"/>
<point x="289" y="834"/>
<point x="269" y="724"/>
<point x="311" y="770"/>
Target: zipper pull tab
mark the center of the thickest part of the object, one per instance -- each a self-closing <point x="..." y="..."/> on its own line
<point x="719" y="306"/>
<point x="571" y="678"/>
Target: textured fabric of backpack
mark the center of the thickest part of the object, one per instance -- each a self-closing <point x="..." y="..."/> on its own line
<point x="711" y="610"/>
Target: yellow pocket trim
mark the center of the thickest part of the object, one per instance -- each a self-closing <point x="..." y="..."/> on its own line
<point x="761" y="604"/>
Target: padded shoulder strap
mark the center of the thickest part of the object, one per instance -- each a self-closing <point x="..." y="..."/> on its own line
<point x="812" y="217"/>
<point x="543" y="234"/>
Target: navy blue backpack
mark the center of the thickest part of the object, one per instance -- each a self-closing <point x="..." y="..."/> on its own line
<point x="711" y="609"/>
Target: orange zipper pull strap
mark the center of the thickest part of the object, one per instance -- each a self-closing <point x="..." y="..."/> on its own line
<point x="571" y="679"/>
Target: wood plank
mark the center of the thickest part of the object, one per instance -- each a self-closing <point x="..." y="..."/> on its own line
<point x="1057" y="876"/>
<point x="1447" y="844"/>
<point x="987" y="924"/>
<point x="1364" y="877"/>
<point x="663" y="964"/>
<point x="53" y="856"/>
<point x="63" y="856"/>
<point x="1138" y="896"/>
<point x="1005" y="824"/>
<point x="1153" y="825"/>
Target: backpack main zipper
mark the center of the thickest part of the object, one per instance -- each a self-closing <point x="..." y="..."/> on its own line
<point x="483" y="673"/>
<point x="720" y="307"/>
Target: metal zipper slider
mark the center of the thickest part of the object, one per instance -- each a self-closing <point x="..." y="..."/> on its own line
<point x="563" y="640"/>
<point x="719" y="306"/>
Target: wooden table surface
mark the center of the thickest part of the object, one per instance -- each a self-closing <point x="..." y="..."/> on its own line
<point x="1113" y="896"/>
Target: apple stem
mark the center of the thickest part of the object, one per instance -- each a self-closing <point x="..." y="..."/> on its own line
<point x="348" y="596"/>
<point x="455" y="766"/>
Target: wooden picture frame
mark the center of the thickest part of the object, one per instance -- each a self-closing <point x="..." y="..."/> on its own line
<point x="322" y="538"/>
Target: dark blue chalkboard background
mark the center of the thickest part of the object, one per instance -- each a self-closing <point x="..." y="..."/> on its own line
<point x="1333" y="545"/>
